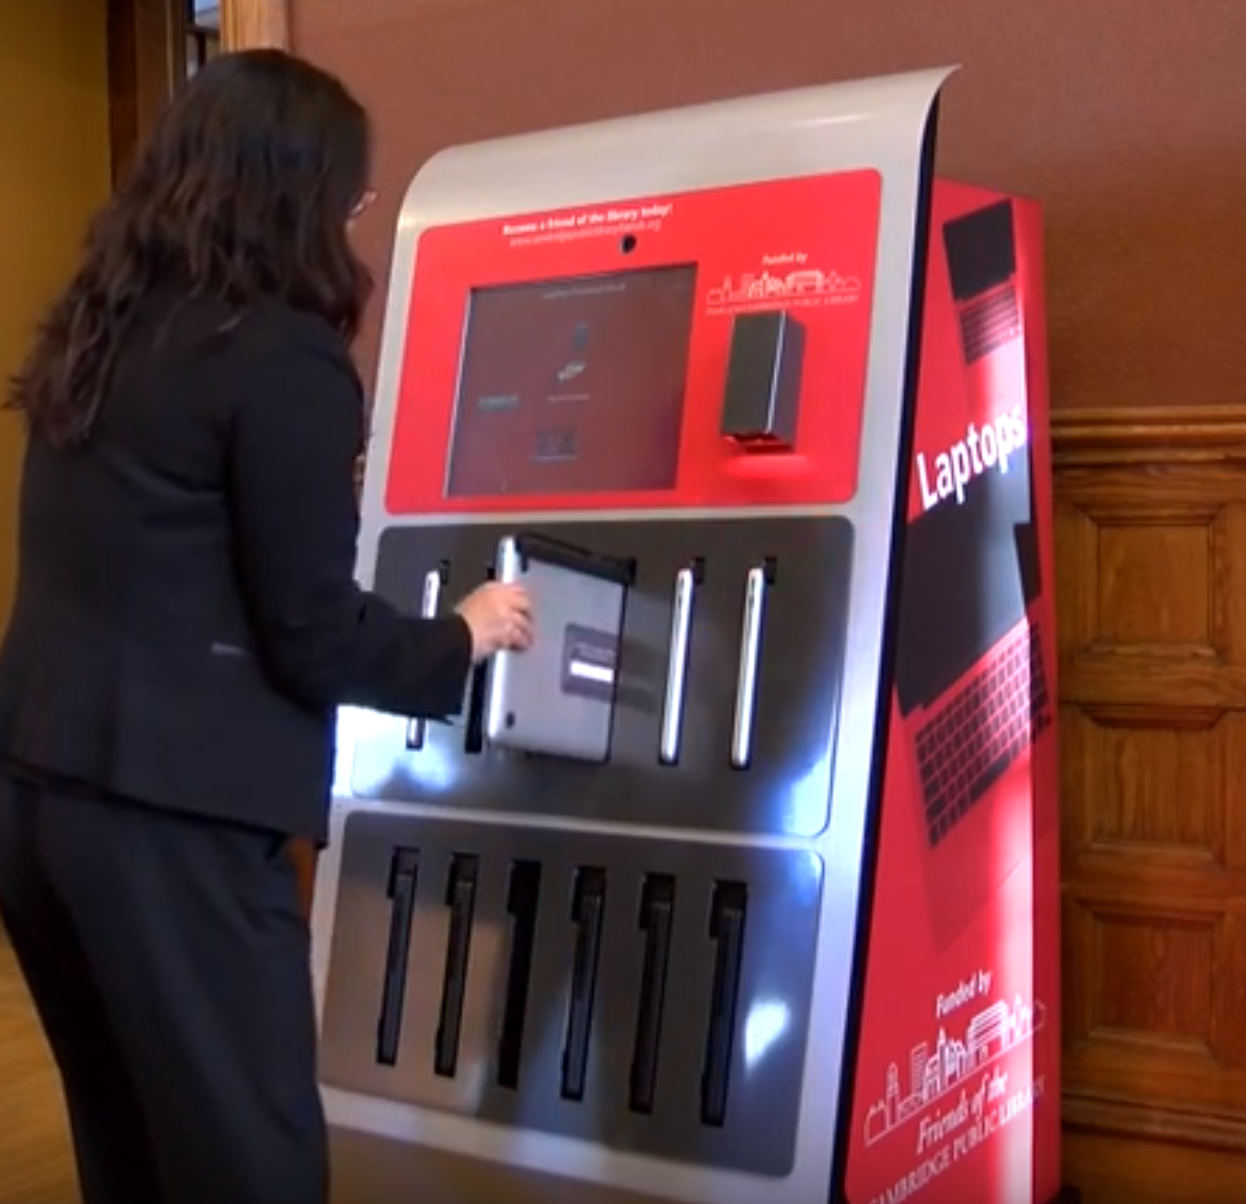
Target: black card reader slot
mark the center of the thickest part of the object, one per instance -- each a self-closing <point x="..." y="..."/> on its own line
<point x="728" y="913"/>
<point x="461" y="900"/>
<point x="588" y="910"/>
<point x="521" y="905"/>
<point x="657" y="914"/>
<point x="404" y="873"/>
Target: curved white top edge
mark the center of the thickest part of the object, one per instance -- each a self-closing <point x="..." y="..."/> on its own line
<point x="471" y="181"/>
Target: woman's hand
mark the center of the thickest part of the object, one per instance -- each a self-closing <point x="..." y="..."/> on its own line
<point x="499" y="617"/>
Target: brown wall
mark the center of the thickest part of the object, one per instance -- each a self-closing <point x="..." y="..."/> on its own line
<point x="1128" y="119"/>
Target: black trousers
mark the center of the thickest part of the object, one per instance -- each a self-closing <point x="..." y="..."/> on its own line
<point x="169" y="961"/>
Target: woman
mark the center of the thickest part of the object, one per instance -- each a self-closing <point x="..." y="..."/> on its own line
<point x="185" y="623"/>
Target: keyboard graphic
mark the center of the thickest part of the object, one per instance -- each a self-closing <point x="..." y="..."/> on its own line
<point x="989" y="322"/>
<point x="985" y="726"/>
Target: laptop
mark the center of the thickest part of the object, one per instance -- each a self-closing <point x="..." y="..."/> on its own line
<point x="558" y="698"/>
<point x="971" y="680"/>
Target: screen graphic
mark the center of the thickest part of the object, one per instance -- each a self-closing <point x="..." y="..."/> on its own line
<point x="573" y="386"/>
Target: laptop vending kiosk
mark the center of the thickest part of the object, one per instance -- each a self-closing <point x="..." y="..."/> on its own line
<point x="742" y="884"/>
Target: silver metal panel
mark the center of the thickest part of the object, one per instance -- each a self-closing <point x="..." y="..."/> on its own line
<point x="878" y="124"/>
<point x="797" y="685"/>
<point x="761" y="1063"/>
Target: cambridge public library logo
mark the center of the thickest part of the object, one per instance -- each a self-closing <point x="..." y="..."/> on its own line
<point x="801" y="284"/>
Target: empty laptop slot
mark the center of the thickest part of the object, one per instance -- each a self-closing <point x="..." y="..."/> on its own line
<point x="728" y="913"/>
<point x="461" y="900"/>
<point x="521" y="905"/>
<point x="760" y="578"/>
<point x="686" y="582"/>
<point x="657" y="915"/>
<point x="404" y="873"/>
<point x="588" y="910"/>
<point x="430" y="600"/>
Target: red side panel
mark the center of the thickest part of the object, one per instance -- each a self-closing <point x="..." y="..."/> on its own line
<point x="956" y="1086"/>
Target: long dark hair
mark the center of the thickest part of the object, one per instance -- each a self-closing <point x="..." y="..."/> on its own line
<point x="244" y="194"/>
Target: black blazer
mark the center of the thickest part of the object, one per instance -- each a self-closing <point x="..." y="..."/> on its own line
<point x="186" y="618"/>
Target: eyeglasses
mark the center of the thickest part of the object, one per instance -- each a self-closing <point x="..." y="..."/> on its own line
<point x="364" y="203"/>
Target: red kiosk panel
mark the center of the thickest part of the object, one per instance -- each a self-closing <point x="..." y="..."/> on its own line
<point x="518" y="318"/>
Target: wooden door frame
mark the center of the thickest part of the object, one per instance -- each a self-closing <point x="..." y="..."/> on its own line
<point x="246" y="24"/>
<point x="146" y="63"/>
<point x="147" y="58"/>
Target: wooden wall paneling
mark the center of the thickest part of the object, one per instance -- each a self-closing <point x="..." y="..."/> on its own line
<point x="146" y="62"/>
<point x="1151" y="588"/>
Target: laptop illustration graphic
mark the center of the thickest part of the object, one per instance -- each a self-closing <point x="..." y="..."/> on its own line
<point x="981" y="252"/>
<point x="970" y="671"/>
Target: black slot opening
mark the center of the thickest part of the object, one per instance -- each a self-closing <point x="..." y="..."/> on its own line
<point x="728" y="913"/>
<point x="474" y="728"/>
<point x="588" y="909"/>
<point x="657" y="915"/>
<point x="521" y="904"/>
<point x="545" y="550"/>
<point x="404" y="872"/>
<point x="461" y="899"/>
<point x="474" y="723"/>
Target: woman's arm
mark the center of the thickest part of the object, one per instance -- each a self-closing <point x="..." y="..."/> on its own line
<point x="296" y="429"/>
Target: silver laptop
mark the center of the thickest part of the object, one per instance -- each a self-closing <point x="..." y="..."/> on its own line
<point x="558" y="697"/>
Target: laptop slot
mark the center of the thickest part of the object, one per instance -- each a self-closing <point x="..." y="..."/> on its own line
<point x="404" y="872"/>
<point x="461" y="900"/>
<point x="474" y="728"/>
<point x="588" y="913"/>
<point x="686" y="582"/>
<point x="760" y="578"/>
<point x="430" y="599"/>
<point x="657" y="913"/>
<point x="521" y="905"/>
<point x="728" y="913"/>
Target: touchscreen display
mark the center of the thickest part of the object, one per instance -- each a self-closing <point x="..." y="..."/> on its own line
<point x="573" y="386"/>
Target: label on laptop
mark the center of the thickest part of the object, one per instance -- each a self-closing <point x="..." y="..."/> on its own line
<point x="589" y="662"/>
